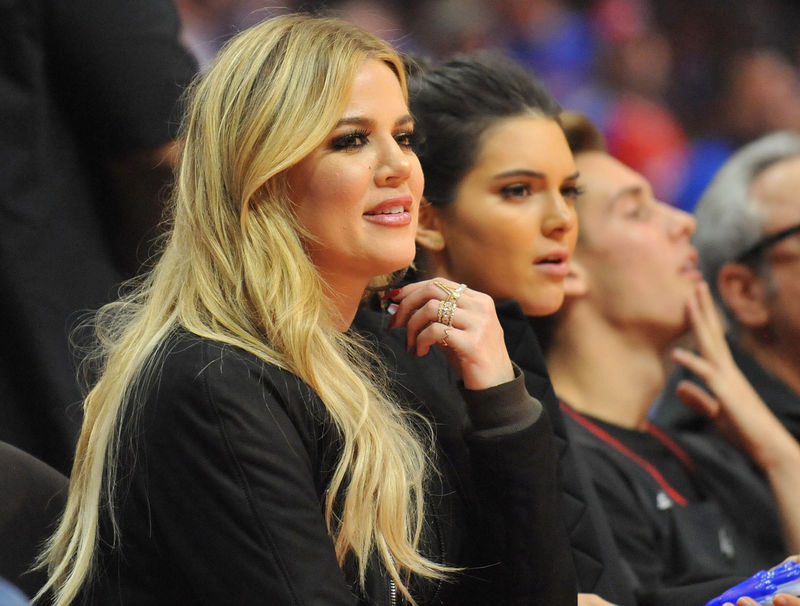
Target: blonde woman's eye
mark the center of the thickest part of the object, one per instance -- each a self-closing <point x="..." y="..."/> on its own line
<point x="518" y="190"/>
<point x="351" y="141"/>
<point x="405" y="139"/>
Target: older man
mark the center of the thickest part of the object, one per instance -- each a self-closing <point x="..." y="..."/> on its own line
<point x="748" y="238"/>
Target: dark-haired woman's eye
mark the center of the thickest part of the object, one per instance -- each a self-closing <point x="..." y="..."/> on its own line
<point x="350" y="141"/>
<point x="571" y="192"/>
<point x="518" y="190"/>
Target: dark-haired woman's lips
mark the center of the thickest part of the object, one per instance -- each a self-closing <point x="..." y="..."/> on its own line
<point x="554" y="263"/>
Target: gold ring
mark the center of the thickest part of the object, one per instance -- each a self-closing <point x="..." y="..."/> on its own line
<point x="445" y="312"/>
<point x="443" y="342"/>
<point x="457" y="292"/>
<point x="448" y="291"/>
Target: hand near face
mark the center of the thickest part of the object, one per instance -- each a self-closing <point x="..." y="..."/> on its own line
<point x="732" y="403"/>
<point x="473" y="342"/>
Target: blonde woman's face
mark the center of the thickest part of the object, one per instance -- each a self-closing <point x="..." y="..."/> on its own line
<point x="358" y="193"/>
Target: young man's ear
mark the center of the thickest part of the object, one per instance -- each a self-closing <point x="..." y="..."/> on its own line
<point x="744" y="293"/>
<point x="429" y="233"/>
<point x="576" y="283"/>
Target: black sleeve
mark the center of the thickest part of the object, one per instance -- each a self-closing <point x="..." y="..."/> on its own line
<point x="516" y="480"/>
<point x="120" y="68"/>
<point x="232" y="486"/>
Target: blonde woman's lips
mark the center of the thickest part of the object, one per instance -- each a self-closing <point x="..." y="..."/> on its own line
<point x="394" y="212"/>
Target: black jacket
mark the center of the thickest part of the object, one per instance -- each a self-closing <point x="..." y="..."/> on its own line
<point x="598" y="565"/>
<point x="224" y="474"/>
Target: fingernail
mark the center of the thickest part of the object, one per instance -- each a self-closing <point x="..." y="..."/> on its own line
<point x="392" y="294"/>
<point x="391" y="309"/>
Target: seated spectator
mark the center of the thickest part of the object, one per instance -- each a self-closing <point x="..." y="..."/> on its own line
<point x="499" y="214"/>
<point x="748" y="239"/>
<point x="686" y="514"/>
<point x="241" y="445"/>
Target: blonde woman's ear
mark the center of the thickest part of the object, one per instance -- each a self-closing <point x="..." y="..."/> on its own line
<point x="429" y="234"/>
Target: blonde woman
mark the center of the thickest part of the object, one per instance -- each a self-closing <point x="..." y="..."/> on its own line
<point x="240" y="445"/>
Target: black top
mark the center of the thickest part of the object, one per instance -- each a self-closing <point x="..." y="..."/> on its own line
<point x="669" y="411"/>
<point x="80" y="81"/>
<point x="690" y="517"/>
<point x="32" y="497"/>
<point x="598" y="565"/>
<point x="222" y="482"/>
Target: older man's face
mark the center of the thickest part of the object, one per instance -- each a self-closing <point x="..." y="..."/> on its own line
<point x="778" y="190"/>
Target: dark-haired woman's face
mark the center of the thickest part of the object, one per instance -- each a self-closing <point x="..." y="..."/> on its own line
<point x="512" y="227"/>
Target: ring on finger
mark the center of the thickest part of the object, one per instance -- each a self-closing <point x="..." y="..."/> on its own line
<point x="455" y="294"/>
<point x="445" y="312"/>
<point x="443" y="342"/>
<point x="447" y="290"/>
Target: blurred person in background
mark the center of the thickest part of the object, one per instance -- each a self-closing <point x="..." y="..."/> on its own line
<point x="88" y="93"/>
<point x="748" y="240"/>
<point x="688" y="514"/>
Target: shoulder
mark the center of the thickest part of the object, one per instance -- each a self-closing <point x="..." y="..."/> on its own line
<point x="198" y="388"/>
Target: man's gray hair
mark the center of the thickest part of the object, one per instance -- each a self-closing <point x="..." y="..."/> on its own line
<point x="729" y="219"/>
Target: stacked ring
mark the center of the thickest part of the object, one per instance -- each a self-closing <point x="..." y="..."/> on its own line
<point x="452" y="293"/>
<point x="447" y="310"/>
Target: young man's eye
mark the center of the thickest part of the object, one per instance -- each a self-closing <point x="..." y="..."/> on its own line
<point x="518" y="190"/>
<point x="350" y="141"/>
<point x="637" y="211"/>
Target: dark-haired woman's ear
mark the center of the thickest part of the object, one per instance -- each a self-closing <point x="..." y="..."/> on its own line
<point x="429" y="233"/>
<point x="576" y="283"/>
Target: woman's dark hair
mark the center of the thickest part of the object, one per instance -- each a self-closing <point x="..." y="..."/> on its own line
<point x="455" y="103"/>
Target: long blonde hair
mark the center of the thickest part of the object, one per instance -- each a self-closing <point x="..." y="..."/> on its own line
<point x="234" y="269"/>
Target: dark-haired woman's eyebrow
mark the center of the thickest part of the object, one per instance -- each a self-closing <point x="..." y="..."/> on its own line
<point x="532" y="174"/>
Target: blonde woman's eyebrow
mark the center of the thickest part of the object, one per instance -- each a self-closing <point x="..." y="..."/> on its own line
<point x="369" y="122"/>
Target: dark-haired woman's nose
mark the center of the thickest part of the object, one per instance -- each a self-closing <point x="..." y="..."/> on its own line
<point x="559" y="215"/>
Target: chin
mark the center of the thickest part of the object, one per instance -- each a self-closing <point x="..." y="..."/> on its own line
<point x="542" y="306"/>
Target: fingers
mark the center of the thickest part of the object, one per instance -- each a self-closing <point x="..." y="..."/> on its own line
<point x="461" y="322"/>
<point x="698" y="399"/>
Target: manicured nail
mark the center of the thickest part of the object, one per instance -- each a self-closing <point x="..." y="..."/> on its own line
<point x="392" y="294"/>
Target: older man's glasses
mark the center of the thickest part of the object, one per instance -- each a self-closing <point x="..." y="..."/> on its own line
<point x="757" y="249"/>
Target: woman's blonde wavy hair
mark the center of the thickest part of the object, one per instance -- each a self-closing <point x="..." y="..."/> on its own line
<point x="234" y="269"/>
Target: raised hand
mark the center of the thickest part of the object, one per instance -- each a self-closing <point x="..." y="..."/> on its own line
<point x="461" y="322"/>
<point x="739" y="411"/>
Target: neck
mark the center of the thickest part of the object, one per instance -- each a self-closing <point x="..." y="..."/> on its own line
<point x="345" y="294"/>
<point x="779" y="356"/>
<point x="599" y="370"/>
